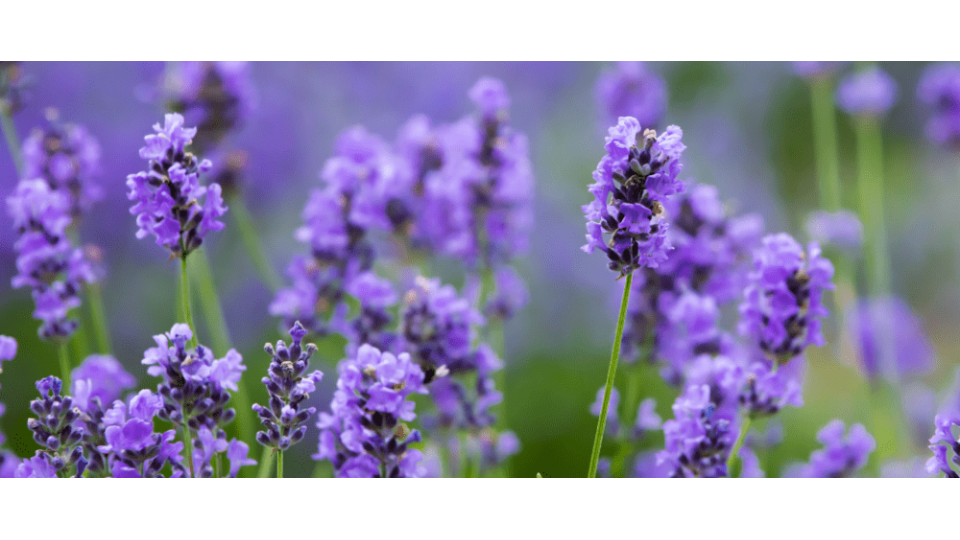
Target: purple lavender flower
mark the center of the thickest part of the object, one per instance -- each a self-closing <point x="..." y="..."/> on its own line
<point x="841" y="455"/>
<point x="939" y="88"/>
<point x="67" y="157"/>
<point x="196" y="387"/>
<point x="364" y="435"/>
<point x="101" y="377"/>
<point x="891" y="316"/>
<point x="55" y="431"/>
<point x="613" y="425"/>
<point x="767" y="390"/>
<point x="634" y="179"/>
<point x="46" y="262"/>
<point x="215" y="96"/>
<point x="647" y="418"/>
<point x="131" y="447"/>
<point x="376" y="295"/>
<point x="704" y="271"/>
<point x="943" y="442"/>
<point x="781" y="306"/>
<point x="841" y="228"/>
<point x="289" y="385"/>
<point x="699" y="437"/>
<point x="630" y="89"/>
<point x="170" y="203"/>
<point x="870" y="92"/>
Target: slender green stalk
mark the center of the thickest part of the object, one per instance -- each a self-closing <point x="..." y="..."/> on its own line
<point x="733" y="458"/>
<point x="10" y="134"/>
<point x="825" y="141"/>
<point x="611" y="375"/>
<point x="252" y="244"/>
<point x="383" y="469"/>
<point x="220" y="336"/>
<point x="98" y="315"/>
<point x="280" y="464"/>
<point x="266" y="463"/>
<point x="870" y="184"/>
<point x="185" y="300"/>
<point x="188" y="444"/>
<point x="78" y="342"/>
<point x="64" y="355"/>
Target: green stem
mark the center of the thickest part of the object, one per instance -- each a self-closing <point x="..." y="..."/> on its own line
<point x="280" y="464"/>
<point x="825" y="141"/>
<point x="252" y="244"/>
<point x="611" y="375"/>
<point x="266" y="463"/>
<point x="188" y="444"/>
<point x="99" y="317"/>
<point x="220" y="336"/>
<point x="13" y="141"/>
<point x="870" y="183"/>
<point x="383" y="469"/>
<point x="733" y="458"/>
<point x="185" y="301"/>
<point x="64" y="355"/>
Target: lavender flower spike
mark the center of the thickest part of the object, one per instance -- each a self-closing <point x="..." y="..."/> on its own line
<point x="364" y="436"/>
<point x="944" y="441"/>
<point x="939" y="89"/>
<point x="781" y="307"/>
<point x="631" y="89"/>
<point x="170" y="204"/>
<point x="55" y="431"/>
<point x="289" y="385"/>
<point x="841" y="456"/>
<point x="632" y="182"/>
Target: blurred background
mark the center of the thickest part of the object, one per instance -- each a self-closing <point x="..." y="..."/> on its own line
<point x="748" y="130"/>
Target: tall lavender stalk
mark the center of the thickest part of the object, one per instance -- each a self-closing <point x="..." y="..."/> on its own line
<point x="638" y="173"/>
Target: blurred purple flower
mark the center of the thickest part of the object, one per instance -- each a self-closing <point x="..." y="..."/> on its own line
<point x="939" y="88"/>
<point x="870" y="92"/>
<point x="101" y="377"/>
<point x="891" y="316"/>
<point x="841" y="455"/>
<point x="630" y="89"/>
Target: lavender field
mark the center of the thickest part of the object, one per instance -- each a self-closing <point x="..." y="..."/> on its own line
<point x="479" y="269"/>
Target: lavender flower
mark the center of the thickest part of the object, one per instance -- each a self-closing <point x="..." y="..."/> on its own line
<point x="841" y="456"/>
<point x="630" y="89"/>
<point x="100" y="377"/>
<point x="632" y="182"/>
<point x="841" y="228"/>
<point x="196" y="387"/>
<point x="216" y="96"/>
<point x="939" y="88"/>
<point x="67" y="158"/>
<point x="55" y="431"/>
<point x="376" y="295"/>
<point x="130" y="444"/>
<point x="868" y="93"/>
<point x="942" y="443"/>
<point x="170" y="203"/>
<point x="364" y="434"/>
<point x="699" y="437"/>
<point x="289" y="385"/>
<point x="46" y="262"/>
<point x="8" y="349"/>
<point x="781" y="307"/>
<point x="891" y="316"/>
<point x="673" y="310"/>
<point x="647" y="418"/>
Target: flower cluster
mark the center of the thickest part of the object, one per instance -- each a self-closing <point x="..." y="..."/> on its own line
<point x="215" y="96"/>
<point x="170" y="203"/>
<point x="364" y="435"/>
<point x="698" y="439"/>
<point x="674" y="308"/>
<point x="630" y="89"/>
<point x="130" y="444"/>
<point x="632" y="182"/>
<point x="942" y="443"/>
<point x="438" y="328"/>
<point x="781" y="307"/>
<point x="46" y="260"/>
<point x="841" y="455"/>
<point x="939" y="88"/>
<point x="55" y="431"/>
<point x="67" y="157"/>
<point x="195" y="390"/>
<point x="868" y="93"/>
<point x="289" y="385"/>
